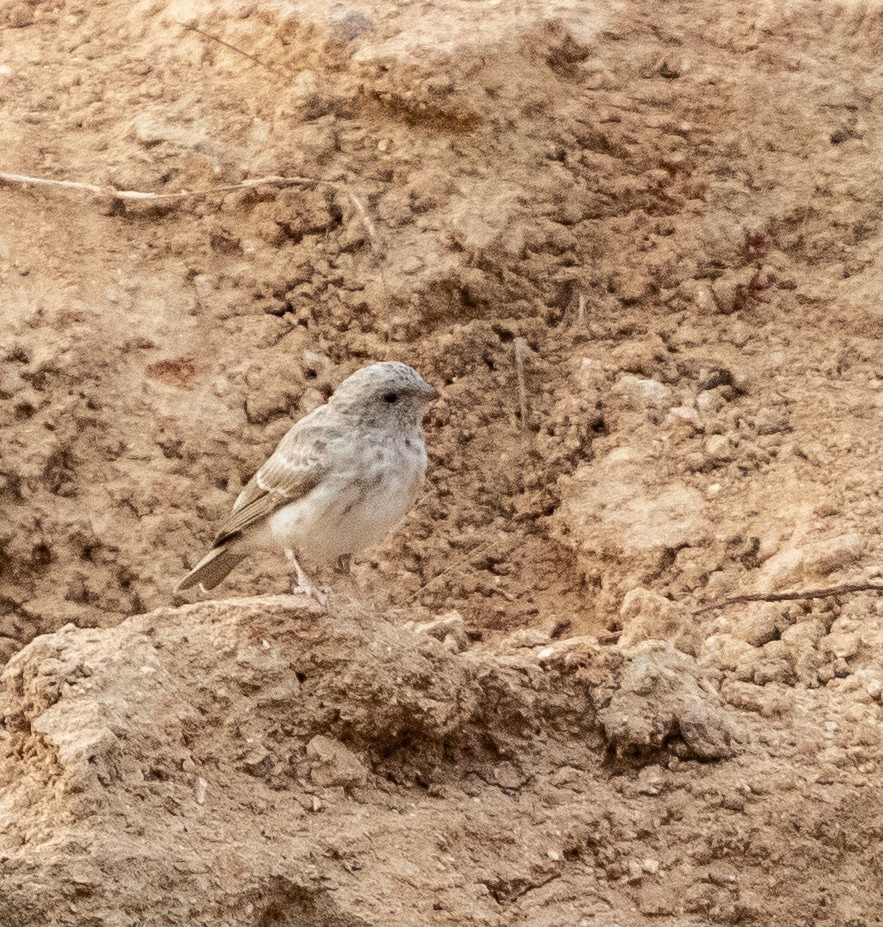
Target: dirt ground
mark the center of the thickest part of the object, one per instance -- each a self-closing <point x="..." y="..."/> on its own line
<point x="637" y="246"/>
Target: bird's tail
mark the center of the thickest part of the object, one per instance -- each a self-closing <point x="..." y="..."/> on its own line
<point x="213" y="567"/>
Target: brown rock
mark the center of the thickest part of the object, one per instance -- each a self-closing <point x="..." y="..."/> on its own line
<point x="645" y="615"/>
<point x="759" y="625"/>
<point x="333" y="763"/>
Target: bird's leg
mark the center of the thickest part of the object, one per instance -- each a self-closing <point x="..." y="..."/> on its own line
<point x="302" y="582"/>
<point x="343" y="567"/>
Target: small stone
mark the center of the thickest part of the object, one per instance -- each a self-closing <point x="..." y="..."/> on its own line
<point x="449" y="627"/>
<point x="807" y="667"/>
<point x="590" y="376"/>
<point x="827" y="556"/>
<point x="310" y="400"/>
<point x="709" y="402"/>
<point x="525" y="639"/>
<point x="651" y="780"/>
<point x="841" y="645"/>
<point x="684" y="415"/>
<point x="770" y="421"/>
<point x="725" y="651"/>
<point x="257" y="761"/>
<point x="758" y="627"/>
<point x="334" y="764"/>
<point x="805" y="634"/>
<point x="719" y="448"/>
<point x="509" y="776"/>
<point x="874" y="688"/>
<point x="569" y="652"/>
<point x="642" y="393"/>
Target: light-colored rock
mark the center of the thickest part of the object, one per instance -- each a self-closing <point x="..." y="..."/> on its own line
<point x="795" y="563"/>
<point x="662" y="692"/>
<point x="725" y="651"/>
<point x="569" y="652"/>
<point x="842" y="645"/>
<point x="804" y="634"/>
<point x="828" y="556"/>
<point x="759" y="625"/>
<point x="439" y="628"/>
<point x="719" y="448"/>
<point x="643" y="393"/>
<point x="524" y="639"/>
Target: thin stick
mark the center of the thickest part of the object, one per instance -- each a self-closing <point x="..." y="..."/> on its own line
<point x="373" y="237"/>
<point x="137" y="195"/>
<point x="793" y="596"/>
<point x="581" y="310"/>
<point x="521" y="351"/>
<point x="238" y="51"/>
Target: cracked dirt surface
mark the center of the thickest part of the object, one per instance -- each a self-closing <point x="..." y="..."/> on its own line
<point x="259" y="761"/>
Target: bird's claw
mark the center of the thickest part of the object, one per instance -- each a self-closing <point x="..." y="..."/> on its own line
<point x="320" y="594"/>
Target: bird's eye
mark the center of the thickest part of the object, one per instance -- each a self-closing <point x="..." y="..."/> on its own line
<point x="390" y="398"/>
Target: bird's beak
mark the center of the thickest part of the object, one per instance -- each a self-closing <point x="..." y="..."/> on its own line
<point x="424" y="392"/>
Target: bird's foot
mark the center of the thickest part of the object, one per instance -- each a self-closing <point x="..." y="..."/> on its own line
<point x="303" y="584"/>
<point x="320" y="594"/>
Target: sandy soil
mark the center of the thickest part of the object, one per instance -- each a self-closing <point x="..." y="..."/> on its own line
<point x="638" y="249"/>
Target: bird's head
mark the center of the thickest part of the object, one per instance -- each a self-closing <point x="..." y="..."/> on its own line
<point x="385" y="392"/>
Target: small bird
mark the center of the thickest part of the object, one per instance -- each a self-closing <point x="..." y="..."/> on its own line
<point x="339" y="481"/>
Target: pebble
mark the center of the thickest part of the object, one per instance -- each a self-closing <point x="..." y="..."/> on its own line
<point x="719" y="448"/>
<point x="804" y="634"/>
<point x="642" y="393"/>
<point x="709" y="402"/>
<point x="840" y="645"/>
<point x="334" y="764"/>
<point x="825" y="557"/>
<point x="725" y="651"/>
<point x="758" y="627"/>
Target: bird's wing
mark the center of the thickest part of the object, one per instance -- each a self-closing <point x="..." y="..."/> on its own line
<point x="291" y="471"/>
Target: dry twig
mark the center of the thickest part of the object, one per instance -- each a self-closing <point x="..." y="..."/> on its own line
<point x="793" y="596"/>
<point x="581" y="310"/>
<point x="521" y="351"/>
<point x="136" y="195"/>
<point x="370" y="228"/>
<point x="238" y="51"/>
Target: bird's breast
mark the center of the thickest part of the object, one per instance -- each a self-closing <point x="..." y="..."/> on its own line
<point x="355" y="507"/>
